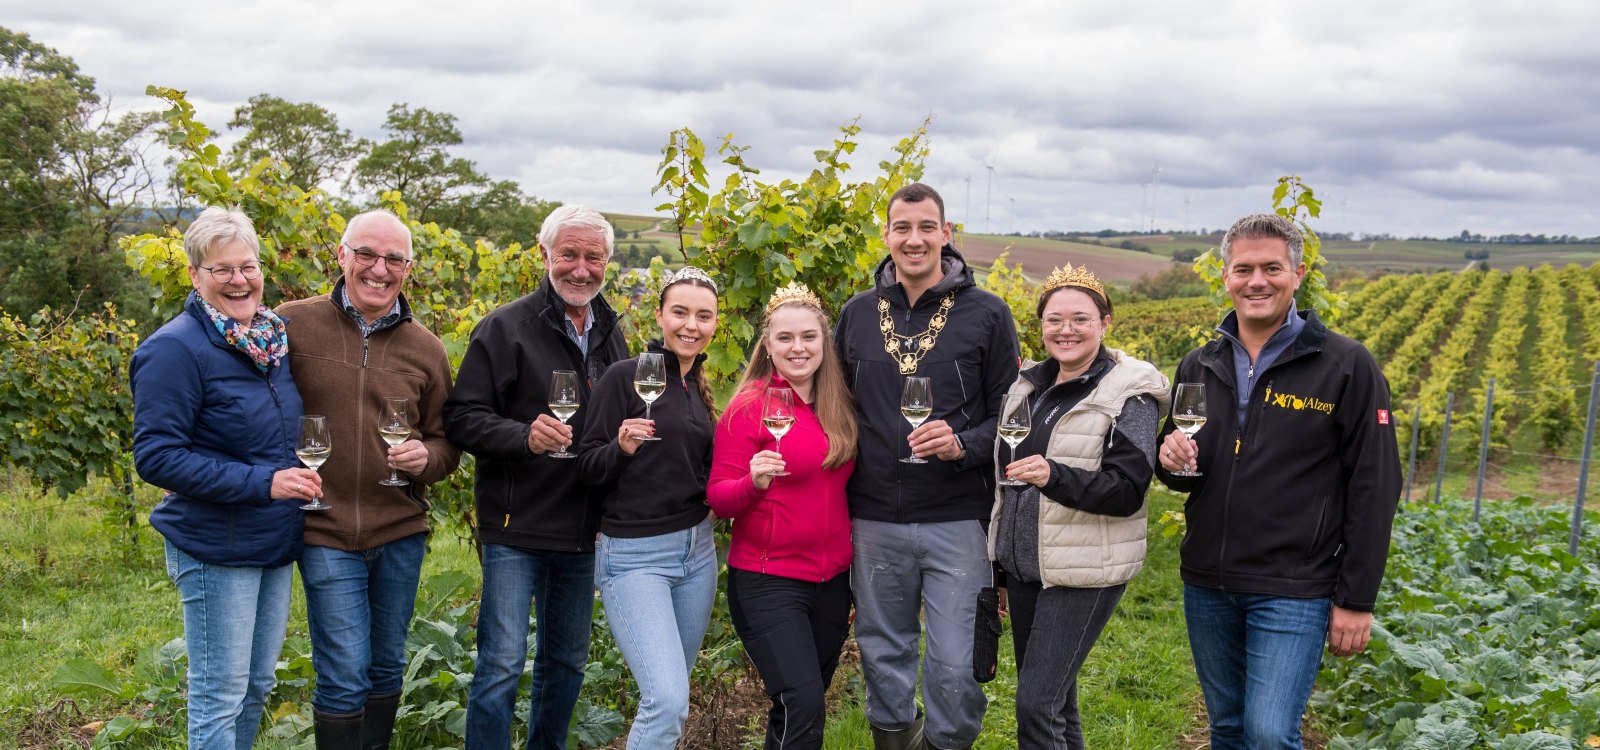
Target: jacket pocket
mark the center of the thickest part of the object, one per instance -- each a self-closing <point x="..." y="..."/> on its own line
<point x="1316" y="535"/>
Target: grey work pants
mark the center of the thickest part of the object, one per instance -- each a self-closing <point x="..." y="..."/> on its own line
<point x="901" y="571"/>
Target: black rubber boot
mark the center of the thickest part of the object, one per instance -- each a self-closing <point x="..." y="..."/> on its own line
<point x="909" y="738"/>
<point x="338" y="731"/>
<point x="378" y="725"/>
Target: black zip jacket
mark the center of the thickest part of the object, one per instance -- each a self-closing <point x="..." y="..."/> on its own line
<point x="524" y="500"/>
<point x="972" y="364"/>
<point x="661" y="488"/>
<point x="1299" y="500"/>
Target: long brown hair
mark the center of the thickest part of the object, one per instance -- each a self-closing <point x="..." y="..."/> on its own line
<point x="830" y="396"/>
<point x="700" y="380"/>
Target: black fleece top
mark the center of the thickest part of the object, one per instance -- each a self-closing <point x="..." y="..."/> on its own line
<point x="661" y="488"/>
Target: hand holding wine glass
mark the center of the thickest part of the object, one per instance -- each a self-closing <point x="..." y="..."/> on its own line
<point x="777" y="413"/>
<point x="1016" y="421"/>
<point x="314" y="448"/>
<point x="1189" y="415"/>
<point x="563" y="402"/>
<point x="394" y="426"/>
<point x="916" y="405"/>
<point x="650" y="381"/>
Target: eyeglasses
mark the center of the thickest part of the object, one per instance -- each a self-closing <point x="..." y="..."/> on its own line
<point x="224" y="274"/>
<point x="1078" y="322"/>
<point x="365" y="257"/>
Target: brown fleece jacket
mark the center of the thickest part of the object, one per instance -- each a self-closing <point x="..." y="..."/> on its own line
<point x="346" y="378"/>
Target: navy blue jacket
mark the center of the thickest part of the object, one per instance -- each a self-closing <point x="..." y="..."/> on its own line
<point x="211" y="430"/>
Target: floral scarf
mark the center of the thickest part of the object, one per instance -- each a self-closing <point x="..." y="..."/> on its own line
<point x="265" y="341"/>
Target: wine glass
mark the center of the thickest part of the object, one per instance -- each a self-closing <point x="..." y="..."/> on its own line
<point x="777" y="413"/>
<point x="916" y="405"/>
<point x="395" y="427"/>
<point x="1015" y="423"/>
<point x="1189" y="415"/>
<point x="314" y="448"/>
<point x="650" y="381"/>
<point x="563" y="402"/>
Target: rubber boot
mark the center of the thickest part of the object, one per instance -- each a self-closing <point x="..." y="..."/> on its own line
<point x="909" y="738"/>
<point x="337" y="731"/>
<point x="378" y="725"/>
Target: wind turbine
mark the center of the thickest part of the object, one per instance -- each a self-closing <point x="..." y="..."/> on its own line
<point x="1013" y="214"/>
<point x="1155" y="187"/>
<point x="988" y="193"/>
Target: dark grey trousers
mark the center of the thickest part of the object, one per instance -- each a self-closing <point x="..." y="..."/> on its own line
<point x="1052" y="630"/>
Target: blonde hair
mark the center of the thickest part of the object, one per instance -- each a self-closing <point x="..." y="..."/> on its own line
<point x="830" y="395"/>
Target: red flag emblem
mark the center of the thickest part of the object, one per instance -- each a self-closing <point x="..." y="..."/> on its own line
<point x="1383" y="416"/>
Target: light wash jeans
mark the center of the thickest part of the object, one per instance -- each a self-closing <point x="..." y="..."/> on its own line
<point x="358" y="608"/>
<point x="559" y="588"/>
<point x="901" y="571"/>
<point x="233" y="623"/>
<point x="1257" y="658"/>
<point x="658" y="593"/>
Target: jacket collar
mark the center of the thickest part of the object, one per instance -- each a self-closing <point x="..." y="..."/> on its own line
<point x="956" y="276"/>
<point x="338" y="297"/>
<point x="554" y="311"/>
<point x="1043" y="375"/>
<point x="670" y="359"/>
<point x="1313" y="334"/>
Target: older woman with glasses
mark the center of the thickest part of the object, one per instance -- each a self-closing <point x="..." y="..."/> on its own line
<point x="215" y="423"/>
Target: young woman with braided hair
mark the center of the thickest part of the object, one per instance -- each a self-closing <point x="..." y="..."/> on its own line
<point x="655" y="561"/>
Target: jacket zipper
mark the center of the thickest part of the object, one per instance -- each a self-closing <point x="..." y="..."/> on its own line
<point x="1238" y="455"/>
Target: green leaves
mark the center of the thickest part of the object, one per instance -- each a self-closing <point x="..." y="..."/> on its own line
<point x="1485" y="636"/>
<point x="86" y="677"/>
<point x="755" y="237"/>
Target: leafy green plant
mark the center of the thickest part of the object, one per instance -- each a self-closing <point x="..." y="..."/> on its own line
<point x="1486" y="634"/>
<point x="755" y="237"/>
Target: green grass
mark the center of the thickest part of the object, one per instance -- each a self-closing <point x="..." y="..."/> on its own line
<point x="1137" y="686"/>
<point x="68" y="591"/>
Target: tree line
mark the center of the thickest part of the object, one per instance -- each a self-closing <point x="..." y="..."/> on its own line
<point x="79" y="174"/>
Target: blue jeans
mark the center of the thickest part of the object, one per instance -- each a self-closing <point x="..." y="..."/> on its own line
<point x="559" y="588"/>
<point x="658" y="592"/>
<point x="233" y="622"/>
<point x="1257" y="658"/>
<point x="901" y="571"/>
<point x="358" y="608"/>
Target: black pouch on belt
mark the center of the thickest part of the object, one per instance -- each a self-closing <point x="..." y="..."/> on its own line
<point x="986" y="635"/>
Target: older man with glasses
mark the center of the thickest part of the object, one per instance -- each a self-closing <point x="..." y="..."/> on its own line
<point x="353" y="349"/>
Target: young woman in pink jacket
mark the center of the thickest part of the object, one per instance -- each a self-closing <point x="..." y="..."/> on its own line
<point x="789" y="564"/>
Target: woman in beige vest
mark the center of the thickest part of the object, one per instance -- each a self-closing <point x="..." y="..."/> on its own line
<point x="1069" y="538"/>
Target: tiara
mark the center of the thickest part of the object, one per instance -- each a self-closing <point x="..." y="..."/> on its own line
<point x="794" y="291"/>
<point x="687" y="273"/>
<point x="1080" y="277"/>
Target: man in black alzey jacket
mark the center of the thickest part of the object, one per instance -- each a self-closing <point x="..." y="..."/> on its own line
<point x="1289" y="516"/>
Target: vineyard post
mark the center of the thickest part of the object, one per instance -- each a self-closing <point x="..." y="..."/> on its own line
<point x="1411" y="463"/>
<point x="1444" y="446"/>
<point x="1583" y="468"/>
<point x="1483" y="450"/>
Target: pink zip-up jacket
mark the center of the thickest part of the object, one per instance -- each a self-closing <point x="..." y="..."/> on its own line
<point x="799" y="527"/>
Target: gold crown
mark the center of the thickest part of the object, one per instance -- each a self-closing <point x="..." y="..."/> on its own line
<point x="1080" y="277"/>
<point x="685" y="274"/>
<point x="794" y="291"/>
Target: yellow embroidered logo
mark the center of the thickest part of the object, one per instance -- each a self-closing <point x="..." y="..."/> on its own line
<point x="1298" y="403"/>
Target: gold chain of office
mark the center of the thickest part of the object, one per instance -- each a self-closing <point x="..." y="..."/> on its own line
<point x="917" y="345"/>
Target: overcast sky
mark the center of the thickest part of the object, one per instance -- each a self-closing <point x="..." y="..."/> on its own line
<point x="1407" y="117"/>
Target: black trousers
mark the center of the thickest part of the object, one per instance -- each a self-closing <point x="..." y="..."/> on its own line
<point x="1052" y="630"/>
<point x="793" y="631"/>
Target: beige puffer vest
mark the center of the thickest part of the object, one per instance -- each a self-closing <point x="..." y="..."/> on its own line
<point x="1089" y="550"/>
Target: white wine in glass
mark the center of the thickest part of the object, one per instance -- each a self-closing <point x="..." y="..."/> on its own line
<point x="1189" y="415"/>
<point x="650" y="381"/>
<point x="563" y="402"/>
<point x="394" y="427"/>
<point x="916" y="405"/>
<point x="1015" y="423"/>
<point x="777" y="413"/>
<point x="313" y="449"/>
